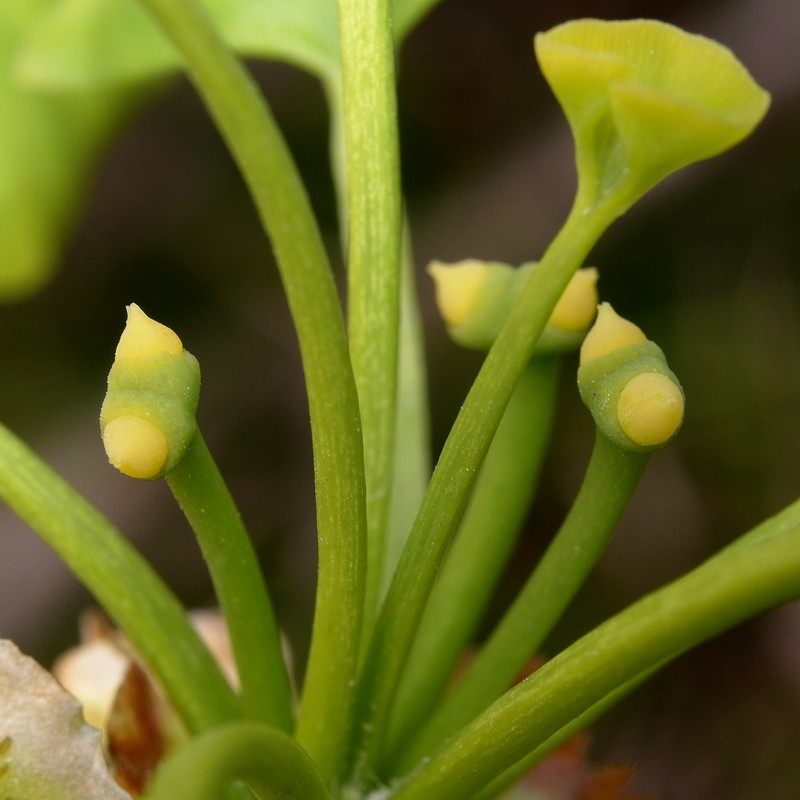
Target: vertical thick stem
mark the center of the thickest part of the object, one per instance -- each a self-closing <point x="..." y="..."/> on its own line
<point x="374" y="219"/>
<point x="255" y="142"/>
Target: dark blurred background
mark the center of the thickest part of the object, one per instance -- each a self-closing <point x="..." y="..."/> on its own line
<point x="708" y="265"/>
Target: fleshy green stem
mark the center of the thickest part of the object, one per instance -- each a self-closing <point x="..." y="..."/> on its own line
<point x="580" y="723"/>
<point x="239" y="584"/>
<point x="374" y="220"/>
<point x="721" y="593"/>
<point x="609" y="484"/>
<point x="488" y="530"/>
<point x="455" y="473"/>
<point x="412" y="460"/>
<point x="122" y="581"/>
<point x="267" y="760"/>
<point x="255" y="142"/>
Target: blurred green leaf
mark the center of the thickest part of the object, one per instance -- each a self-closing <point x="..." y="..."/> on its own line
<point x="407" y="13"/>
<point x="47" y="143"/>
<point x="69" y="69"/>
<point x="91" y="43"/>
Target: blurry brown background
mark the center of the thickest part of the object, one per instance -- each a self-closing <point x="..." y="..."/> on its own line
<point x="708" y="265"/>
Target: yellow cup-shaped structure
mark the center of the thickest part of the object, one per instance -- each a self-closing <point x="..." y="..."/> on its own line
<point x="643" y="99"/>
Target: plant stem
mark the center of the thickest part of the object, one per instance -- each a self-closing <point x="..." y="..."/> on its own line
<point x="412" y="460"/>
<point x="609" y="484"/>
<point x="580" y="723"/>
<point x="455" y="473"/>
<point x="269" y="761"/>
<point x="239" y="584"/>
<point x="374" y="221"/>
<point x="122" y="582"/>
<point x="719" y="594"/>
<point x="255" y="142"/>
<point x="488" y="530"/>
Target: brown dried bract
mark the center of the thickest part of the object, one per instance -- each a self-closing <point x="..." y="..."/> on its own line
<point x="135" y="731"/>
<point x="566" y="774"/>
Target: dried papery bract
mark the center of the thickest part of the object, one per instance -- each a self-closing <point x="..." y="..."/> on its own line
<point x="643" y="99"/>
<point x="46" y="749"/>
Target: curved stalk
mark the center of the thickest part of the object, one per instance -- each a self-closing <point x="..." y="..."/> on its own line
<point x="264" y="160"/>
<point x="239" y="584"/>
<point x="122" y="581"/>
<point x="268" y="761"/>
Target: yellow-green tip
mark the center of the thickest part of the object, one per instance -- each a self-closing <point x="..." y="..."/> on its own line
<point x="650" y="409"/>
<point x="458" y="287"/>
<point x="135" y="446"/>
<point x="144" y="337"/>
<point x="610" y="332"/>
<point x="577" y="305"/>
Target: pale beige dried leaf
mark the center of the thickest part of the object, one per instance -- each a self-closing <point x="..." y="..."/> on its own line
<point x="47" y="751"/>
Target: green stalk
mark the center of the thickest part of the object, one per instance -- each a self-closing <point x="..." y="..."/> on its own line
<point x="609" y="484"/>
<point x="239" y="584"/>
<point x="513" y="774"/>
<point x="254" y="140"/>
<point x="374" y="220"/>
<point x="122" y="582"/>
<point x="269" y="761"/>
<point x="455" y="473"/>
<point x="412" y="468"/>
<point x="486" y="535"/>
<point x="724" y="591"/>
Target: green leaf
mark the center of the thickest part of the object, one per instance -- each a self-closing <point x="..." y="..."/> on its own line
<point x="407" y="13"/>
<point x="46" y="145"/>
<point x="644" y="99"/>
<point x="49" y="142"/>
<point x="91" y="43"/>
<point x="46" y="749"/>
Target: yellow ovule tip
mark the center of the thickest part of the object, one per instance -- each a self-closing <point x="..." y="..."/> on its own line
<point x="610" y="332"/>
<point x="457" y="288"/>
<point x="650" y="409"/>
<point x="144" y="337"/>
<point x="135" y="446"/>
<point x="576" y="307"/>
